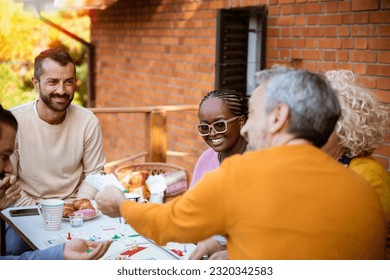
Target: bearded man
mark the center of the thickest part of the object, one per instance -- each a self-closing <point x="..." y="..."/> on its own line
<point x="58" y="143"/>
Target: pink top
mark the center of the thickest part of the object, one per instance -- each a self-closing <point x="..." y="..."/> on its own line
<point x="207" y="161"/>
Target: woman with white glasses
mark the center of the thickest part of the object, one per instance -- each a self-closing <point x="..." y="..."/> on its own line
<point x="222" y="114"/>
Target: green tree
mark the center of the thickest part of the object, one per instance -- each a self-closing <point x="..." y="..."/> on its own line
<point x="23" y="36"/>
<point x="12" y="87"/>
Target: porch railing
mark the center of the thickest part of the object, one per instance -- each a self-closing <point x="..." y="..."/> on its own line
<point x="156" y="137"/>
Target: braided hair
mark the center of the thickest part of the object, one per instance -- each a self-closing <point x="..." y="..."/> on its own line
<point x="234" y="100"/>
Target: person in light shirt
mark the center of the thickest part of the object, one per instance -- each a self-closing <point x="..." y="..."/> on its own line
<point x="58" y="143"/>
<point x="76" y="249"/>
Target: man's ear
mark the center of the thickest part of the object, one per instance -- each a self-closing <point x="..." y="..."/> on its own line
<point x="279" y="118"/>
<point x="35" y="83"/>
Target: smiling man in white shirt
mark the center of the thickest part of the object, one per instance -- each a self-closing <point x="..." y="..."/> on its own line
<point x="58" y="143"/>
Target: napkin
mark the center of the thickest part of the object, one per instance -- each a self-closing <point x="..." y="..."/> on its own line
<point x="157" y="185"/>
<point x="100" y="181"/>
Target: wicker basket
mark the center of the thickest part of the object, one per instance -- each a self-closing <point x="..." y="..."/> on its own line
<point x="154" y="168"/>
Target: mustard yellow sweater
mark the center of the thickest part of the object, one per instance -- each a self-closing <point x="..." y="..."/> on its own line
<point x="379" y="179"/>
<point x="286" y="202"/>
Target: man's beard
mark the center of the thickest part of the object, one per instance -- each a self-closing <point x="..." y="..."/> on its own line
<point x="53" y="105"/>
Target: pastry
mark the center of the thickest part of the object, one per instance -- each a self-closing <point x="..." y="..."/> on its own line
<point x="77" y="205"/>
<point x="85" y="203"/>
<point x="86" y="212"/>
<point x="69" y="208"/>
<point x="136" y="182"/>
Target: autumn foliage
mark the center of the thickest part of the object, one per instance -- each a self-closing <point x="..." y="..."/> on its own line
<point x="23" y="35"/>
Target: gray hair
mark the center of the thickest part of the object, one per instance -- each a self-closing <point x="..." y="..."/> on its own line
<point x="265" y="75"/>
<point x="314" y="107"/>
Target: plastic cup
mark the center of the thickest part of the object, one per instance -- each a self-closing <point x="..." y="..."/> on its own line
<point x="76" y="220"/>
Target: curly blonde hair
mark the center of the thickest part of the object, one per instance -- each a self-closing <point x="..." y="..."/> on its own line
<point x="364" y="121"/>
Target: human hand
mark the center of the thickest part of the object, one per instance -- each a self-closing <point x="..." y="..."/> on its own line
<point x="221" y="255"/>
<point x="109" y="200"/>
<point x="206" y="247"/>
<point x="80" y="249"/>
<point x="9" y="191"/>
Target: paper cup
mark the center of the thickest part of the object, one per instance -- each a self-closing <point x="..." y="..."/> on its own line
<point x="51" y="213"/>
<point x="156" y="198"/>
<point x="133" y="197"/>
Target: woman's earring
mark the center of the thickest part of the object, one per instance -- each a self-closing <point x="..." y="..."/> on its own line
<point x="242" y="122"/>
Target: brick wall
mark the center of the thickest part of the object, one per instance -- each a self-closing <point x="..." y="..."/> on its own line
<point x="162" y="52"/>
<point x="326" y="35"/>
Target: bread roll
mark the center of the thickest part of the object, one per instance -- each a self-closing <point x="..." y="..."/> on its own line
<point x="83" y="203"/>
<point x="69" y="208"/>
<point x="86" y="205"/>
<point x="78" y="204"/>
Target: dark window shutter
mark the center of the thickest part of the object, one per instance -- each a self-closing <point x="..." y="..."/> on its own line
<point x="232" y="49"/>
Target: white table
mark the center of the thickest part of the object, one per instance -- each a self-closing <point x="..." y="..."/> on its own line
<point x="100" y="228"/>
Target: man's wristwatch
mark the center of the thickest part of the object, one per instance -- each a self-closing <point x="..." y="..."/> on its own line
<point x="220" y="239"/>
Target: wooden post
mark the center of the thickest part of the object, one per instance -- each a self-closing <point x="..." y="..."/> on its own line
<point x="156" y="136"/>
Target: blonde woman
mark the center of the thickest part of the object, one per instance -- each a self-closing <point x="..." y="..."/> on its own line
<point x="361" y="128"/>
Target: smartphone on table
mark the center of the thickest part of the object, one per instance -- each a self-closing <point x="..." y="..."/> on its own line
<point x="23" y="212"/>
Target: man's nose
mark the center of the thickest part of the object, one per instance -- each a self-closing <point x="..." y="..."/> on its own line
<point x="60" y="88"/>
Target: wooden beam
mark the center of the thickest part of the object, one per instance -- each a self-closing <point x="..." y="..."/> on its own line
<point x="168" y="108"/>
<point x="156" y="136"/>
